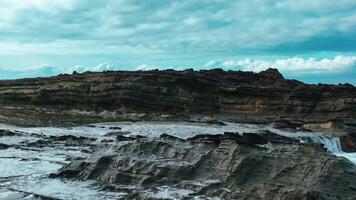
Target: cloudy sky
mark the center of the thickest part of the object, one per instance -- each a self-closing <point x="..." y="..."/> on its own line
<point x="314" y="41"/>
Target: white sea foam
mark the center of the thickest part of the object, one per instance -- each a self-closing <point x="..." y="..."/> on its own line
<point x="182" y="130"/>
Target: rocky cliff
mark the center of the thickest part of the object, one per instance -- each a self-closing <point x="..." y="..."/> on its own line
<point x="264" y="97"/>
<point x="231" y="93"/>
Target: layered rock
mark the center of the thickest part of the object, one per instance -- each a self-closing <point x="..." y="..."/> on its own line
<point x="264" y="97"/>
<point x="206" y="91"/>
<point x="229" y="166"/>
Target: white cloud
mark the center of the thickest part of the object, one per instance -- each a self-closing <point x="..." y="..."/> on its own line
<point x="67" y="47"/>
<point x="174" y="27"/>
<point x="98" y="68"/>
<point x="191" y="21"/>
<point x="145" y="67"/>
<point x="48" y="70"/>
<point x="294" y="65"/>
<point x="212" y="63"/>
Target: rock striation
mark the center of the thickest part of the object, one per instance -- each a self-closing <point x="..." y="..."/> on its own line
<point x="118" y="161"/>
<point x="211" y="91"/>
<point x="229" y="166"/>
<point x="169" y="95"/>
<point x="233" y="93"/>
<point x="187" y="92"/>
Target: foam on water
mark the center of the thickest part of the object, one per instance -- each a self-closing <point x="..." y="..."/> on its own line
<point x="64" y="189"/>
<point x="182" y="130"/>
<point x="86" y="131"/>
<point x="166" y="192"/>
<point x="26" y="169"/>
<point x="186" y="130"/>
<point x="333" y="145"/>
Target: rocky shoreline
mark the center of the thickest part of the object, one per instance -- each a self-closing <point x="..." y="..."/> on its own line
<point x="167" y="160"/>
<point x="208" y="134"/>
<point x="235" y="96"/>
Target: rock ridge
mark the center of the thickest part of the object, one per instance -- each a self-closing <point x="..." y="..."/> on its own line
<point x="229" y="166"/>
<point x="168" y="95"/>
<point x="228" y="93"/>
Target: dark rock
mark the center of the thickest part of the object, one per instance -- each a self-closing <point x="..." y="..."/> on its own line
<point x="170" y="137"/>
<point x="260" y="138"/>
<point x="128" y="138"/>
<point x="115" y="128"/>
<point x="107" y="140"/>
<point x="117" y="133"/>
<point x="67" y="140"/>
<point x="287" y="125"/>
<point x="90" y="126"/>
<point x="39" y="143"/>
<point x="254" y="138"/>
<point x="206" y="138"/>
<point x="4" y="146"/>
<point x="72" y="138"/>
<point x="225" y="166"/>
<point x="275" y="138"/>
<point x="348" y="142"/>
<point x="211" y="120"/>
<point x="8" y="133"/>
<point x="272" y="73"/>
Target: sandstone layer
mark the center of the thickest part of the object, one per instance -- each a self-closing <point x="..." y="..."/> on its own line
<point x="234" y="93"/>
<point x="264" y="97"/>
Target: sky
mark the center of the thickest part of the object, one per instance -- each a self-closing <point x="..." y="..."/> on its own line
<point x="313" y="41"/>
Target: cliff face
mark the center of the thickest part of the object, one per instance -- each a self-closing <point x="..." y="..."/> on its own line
<point x="185" y="92"/>
<point x="214" y="91"/>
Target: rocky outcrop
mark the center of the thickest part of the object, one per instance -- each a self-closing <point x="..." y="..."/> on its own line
<point x="233" y="93"/>
<point x="168" y="95"/>
<point x="229" y="166"/>
<point x="122" y="162"/>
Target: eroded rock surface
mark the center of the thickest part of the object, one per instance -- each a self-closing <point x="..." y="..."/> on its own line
<point x="169" y="95"/>
<point x="235" y="93"/>
<point x="230" y="166"/>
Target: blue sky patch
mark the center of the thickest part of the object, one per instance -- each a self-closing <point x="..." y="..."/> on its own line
<point x="292" y="36"/>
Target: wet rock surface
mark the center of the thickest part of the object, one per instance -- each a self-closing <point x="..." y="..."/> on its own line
<point x="229" y="166"/>
<point x="209" y="96"/>
<point x="156" y="160"/>
<point x="4" y="146"/>
<point x="29" y="155"/>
